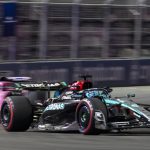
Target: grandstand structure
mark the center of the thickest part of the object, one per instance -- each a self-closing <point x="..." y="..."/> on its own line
<point x="78" y="29"/>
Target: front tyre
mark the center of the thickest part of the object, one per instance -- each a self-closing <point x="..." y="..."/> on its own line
<point x="16" y="113"/>
<point x="86" y="116"/>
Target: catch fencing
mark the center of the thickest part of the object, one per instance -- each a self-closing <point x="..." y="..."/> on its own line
<point x="72" y="29"/>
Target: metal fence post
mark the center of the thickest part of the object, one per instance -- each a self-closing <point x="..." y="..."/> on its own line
<point x="105" y="50"/>
<point x="137" y="32"/>
<point x="12" y="48"/>
<point x="75" y="30"/>
<point x="43" y="30"/>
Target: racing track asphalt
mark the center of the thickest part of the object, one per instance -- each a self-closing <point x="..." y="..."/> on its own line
<point x="138" y="139"/>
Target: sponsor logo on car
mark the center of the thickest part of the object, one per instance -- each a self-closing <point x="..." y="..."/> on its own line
<point x="57" y="106"/>
<point x="92" y="94"/>
<point x="40" y="85"/>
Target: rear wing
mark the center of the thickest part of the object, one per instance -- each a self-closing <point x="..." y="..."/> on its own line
<point x="15" y="79"/>
<point x="42" y="86"/>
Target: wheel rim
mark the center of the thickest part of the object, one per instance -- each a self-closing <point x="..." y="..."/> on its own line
<point x="84" y="117"/>
<point x="5" y="115"/>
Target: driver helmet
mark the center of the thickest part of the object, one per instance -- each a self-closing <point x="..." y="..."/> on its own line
<point x="77" y="86"/>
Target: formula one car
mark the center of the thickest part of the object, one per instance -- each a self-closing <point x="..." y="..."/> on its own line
<point x="10" y="84"/>
<point x="89" y="111"/>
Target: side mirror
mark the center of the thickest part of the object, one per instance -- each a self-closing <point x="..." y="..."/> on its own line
<point x="130" y="95"/>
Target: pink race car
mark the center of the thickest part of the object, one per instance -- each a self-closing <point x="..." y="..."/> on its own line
<point x="8" y="85"/>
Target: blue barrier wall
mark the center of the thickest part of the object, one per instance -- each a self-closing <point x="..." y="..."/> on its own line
<point x="9" y="19"/>
<point x="104" y="72"/>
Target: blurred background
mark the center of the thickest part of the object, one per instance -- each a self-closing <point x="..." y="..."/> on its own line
<point x="54" y="29"/>
<point x="33" y="30"/>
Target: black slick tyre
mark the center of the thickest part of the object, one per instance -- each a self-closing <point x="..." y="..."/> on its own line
<point x="16" y="113"/>
<point x="85" y="115"/>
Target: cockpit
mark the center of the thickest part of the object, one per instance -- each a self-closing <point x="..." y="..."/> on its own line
<point x="88" y="93"/>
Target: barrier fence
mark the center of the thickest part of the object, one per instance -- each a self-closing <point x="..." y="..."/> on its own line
<point x="104" y="73"/>
<point x="76" y="29"/>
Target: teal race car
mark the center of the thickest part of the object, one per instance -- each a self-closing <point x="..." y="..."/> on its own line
<point x="89" y="111"/>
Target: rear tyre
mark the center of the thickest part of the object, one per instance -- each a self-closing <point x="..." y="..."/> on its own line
<point x="16" y="113"/>
<point x="85" y="115"/>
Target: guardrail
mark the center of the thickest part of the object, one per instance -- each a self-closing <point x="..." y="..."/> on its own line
<point x="119" y="72"/>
